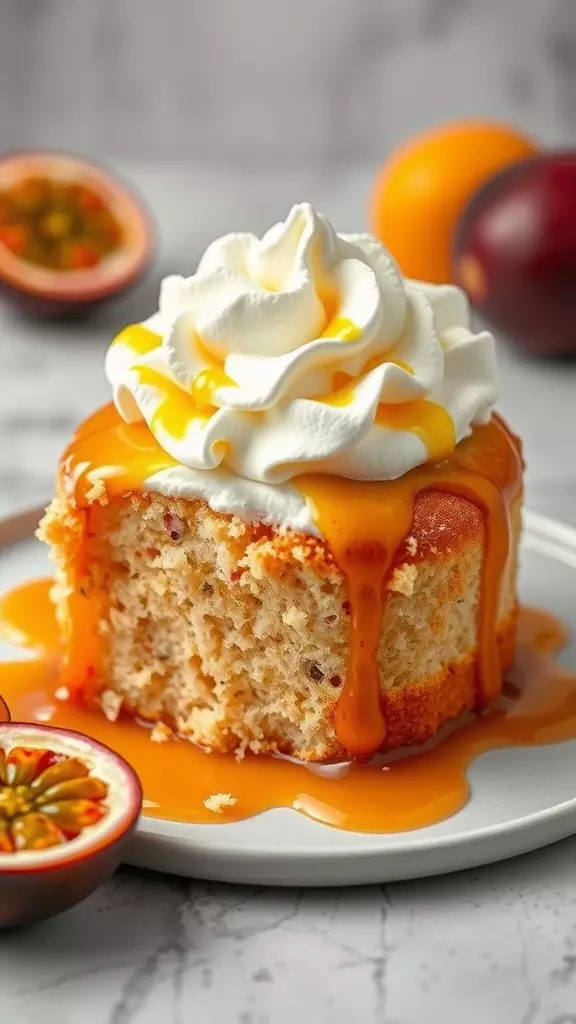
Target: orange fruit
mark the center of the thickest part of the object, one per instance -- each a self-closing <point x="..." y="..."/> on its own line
<point x="423" y="189"/>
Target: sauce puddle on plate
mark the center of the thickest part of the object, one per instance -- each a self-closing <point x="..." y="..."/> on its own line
<point x="392" y="794"/>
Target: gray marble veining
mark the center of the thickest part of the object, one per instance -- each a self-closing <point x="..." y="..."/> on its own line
<point x="496" y="945"/>
<point x="492" y="946"/>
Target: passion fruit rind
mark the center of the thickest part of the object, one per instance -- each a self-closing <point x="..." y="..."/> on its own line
<point x="46" y="798"/>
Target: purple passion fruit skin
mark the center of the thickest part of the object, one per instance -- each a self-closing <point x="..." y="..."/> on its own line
<point x="68" y="809"/>
<point x="515" y="254"/>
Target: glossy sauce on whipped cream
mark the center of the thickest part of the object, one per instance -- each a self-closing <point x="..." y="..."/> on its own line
<point x="538" y="706"/>
<point x="365" y="525"/>
<point x="303" y="351"/>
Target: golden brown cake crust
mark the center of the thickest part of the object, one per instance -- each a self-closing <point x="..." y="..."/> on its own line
<point x="237" y="636"/>
<point x="416" y="712"/>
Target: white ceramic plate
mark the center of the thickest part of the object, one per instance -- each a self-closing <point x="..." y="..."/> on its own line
<point x="521" y="799"/>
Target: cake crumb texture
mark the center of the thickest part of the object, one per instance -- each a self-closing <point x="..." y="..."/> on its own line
<point x="161" y="733"/>
<point x="111" y="703"/>
<point x="236" y="637"/>
<point x="219" y="802"/>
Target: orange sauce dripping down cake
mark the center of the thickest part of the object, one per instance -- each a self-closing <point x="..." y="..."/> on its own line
<point x="366" y="525"/>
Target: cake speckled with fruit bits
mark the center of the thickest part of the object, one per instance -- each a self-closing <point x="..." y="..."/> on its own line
<point x="296" y="528"/>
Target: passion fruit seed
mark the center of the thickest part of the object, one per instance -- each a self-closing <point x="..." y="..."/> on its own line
<point x="46" y="798"/>
<point x="56" y="225"/>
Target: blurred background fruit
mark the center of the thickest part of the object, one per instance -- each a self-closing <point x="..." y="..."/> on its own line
<point x="71" y="235"/>
<point x="425" y="185"/>
<point x="515" y="253"/>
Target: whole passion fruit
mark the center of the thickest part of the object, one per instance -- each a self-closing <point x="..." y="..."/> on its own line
<point x="515" y="253"/>
<point x="68" y="808"/>
<point x="71" y="235"/>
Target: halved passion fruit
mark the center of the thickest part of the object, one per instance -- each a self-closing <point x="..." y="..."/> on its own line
<point x="71" y="235"/>
<point x="68" y="808"/>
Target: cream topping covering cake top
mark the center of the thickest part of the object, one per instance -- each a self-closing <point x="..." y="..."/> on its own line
<point x="304" y="351"/>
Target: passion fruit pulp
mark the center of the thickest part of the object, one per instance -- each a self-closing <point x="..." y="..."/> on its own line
<point x="68" y="808"/>
<point x="71" y="234"/>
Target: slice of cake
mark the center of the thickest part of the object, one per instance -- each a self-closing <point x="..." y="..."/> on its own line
<point x="296" y="529"/>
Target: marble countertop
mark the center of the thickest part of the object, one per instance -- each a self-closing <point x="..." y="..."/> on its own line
<point x="497" y="944"/>
<point x="492" y="946"/>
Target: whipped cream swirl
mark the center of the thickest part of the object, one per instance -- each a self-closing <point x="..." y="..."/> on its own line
<point x="304" y="351"/>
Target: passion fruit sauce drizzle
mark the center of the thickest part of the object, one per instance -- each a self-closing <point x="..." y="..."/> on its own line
<point x="365" y="524"/>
